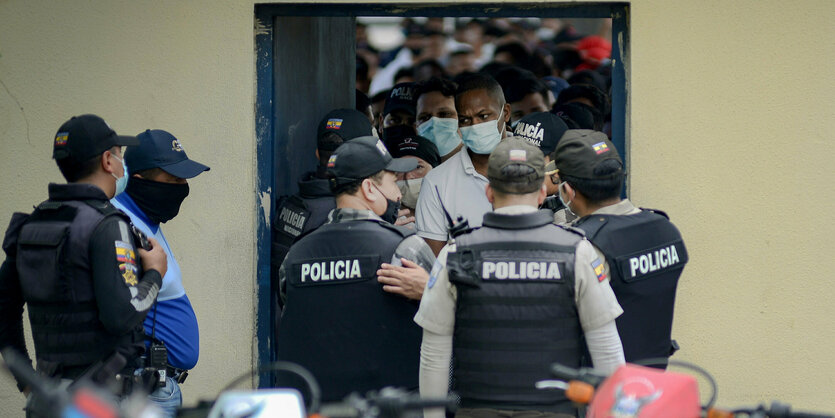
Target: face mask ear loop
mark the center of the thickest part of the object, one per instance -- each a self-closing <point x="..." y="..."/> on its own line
<point x="564" y="203"/>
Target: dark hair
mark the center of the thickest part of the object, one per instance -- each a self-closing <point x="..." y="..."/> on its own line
<point x="404" y="72"/>
<point x="435" y="67"/>
<point x="517" y="51"/>
<point x="492" y="68"/>
<point x="566" y="59"/>
<point x="380" y="96"/>
<point x="480" y="81"/>
<point x="362" y="68"/>
<point x="588" y="77"/>
<point x="599" y="99"/>
<point x="362" y="102"/>
<point x="599" y="190"/>
<point x="578" y="115"/>
<point x="354" y="186"/>
<point x="445" y="87"/>
<point x="517" y="89"/>
<point x="74" y="170"/>
<point x="537" y="65"/>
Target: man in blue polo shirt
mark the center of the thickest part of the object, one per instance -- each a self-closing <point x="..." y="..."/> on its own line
<point x="158" y="169"/>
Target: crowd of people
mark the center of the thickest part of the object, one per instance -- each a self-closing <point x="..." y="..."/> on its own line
<point x="481" y="235"/>
<point x="463" y="230"/>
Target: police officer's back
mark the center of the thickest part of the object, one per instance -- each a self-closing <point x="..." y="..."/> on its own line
<point x="644" y="251"/>
<point x="514" y="296"/>
<point x="74" y="262"/>
<point x="298" y="214"/>
<point x="337" y="320"/>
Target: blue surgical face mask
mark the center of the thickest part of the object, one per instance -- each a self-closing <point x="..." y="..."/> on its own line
<point x="121" y="182"/>
<point x="484" y="137"/>
<point x="443" y="132"/>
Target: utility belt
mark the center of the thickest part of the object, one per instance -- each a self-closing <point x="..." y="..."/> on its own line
<point x="147" y="378"/>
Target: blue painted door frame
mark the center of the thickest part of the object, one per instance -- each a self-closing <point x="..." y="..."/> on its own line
<point x="265" y="98"/>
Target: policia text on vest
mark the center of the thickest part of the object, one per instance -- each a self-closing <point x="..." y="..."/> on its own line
<point x="646" y="257"/>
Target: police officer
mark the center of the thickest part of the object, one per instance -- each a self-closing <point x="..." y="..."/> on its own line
<point x="308" y="209"/>
<point x="513" y="297"/>
<point x="644" y="251"/>
<point x="543" y="129"/>
<point x="74" y="262"/>
<point x="337" y="320"/>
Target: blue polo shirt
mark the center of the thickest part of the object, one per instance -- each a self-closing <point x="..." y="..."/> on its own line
<point x="176" y="323"/>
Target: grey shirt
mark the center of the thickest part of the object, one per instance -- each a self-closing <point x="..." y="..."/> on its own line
<point x="413" y="248"/>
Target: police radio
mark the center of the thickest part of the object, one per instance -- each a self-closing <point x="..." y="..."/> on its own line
<point x="141" y="238"/>
<point x="460" y="226"/>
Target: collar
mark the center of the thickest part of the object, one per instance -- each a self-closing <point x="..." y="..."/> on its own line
<point x="313" y="186"/>
<point x="624" y="207"/>
<point x="340" y="215"/>
<point x="125" y="200"/>
<point x="528" y="220"/>
<point x="76" y="191"/>
<point x="467" y="163"/>
<point x="515" y="210"/>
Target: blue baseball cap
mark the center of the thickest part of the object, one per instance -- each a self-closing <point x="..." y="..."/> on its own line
<point x="160" y="149"/>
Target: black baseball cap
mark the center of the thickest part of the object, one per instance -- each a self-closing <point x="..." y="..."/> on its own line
<point x="516" y="152"/>
<point x="347" y="123"/>
<point x="578" y="113"/>
<point x="160" y="149"/>
<point x="362" y="157"/>
<point x="401" y="97"/>
<point x="580" y="151"/>
<point x="543" y="129"/>
<point x="415" y="146"/>
<point x="83" y="137"/>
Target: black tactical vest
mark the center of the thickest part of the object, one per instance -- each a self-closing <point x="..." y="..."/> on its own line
<point x="646" y="256"/>
<point x="337" y="321"/>
<point x="54" y="266"/>
<point x="297" y="215"/>
<point x="515" y="314"/>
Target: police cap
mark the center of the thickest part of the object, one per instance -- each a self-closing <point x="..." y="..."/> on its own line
<point x="83" y="137"/>
<point x="516" y="166"/>
<point x="580" y="151"/>
<point x="363" y="157"/>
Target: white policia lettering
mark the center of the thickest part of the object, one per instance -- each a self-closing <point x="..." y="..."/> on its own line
<point x="652" y="261"/>
<point x="533" y="132"/>
<point x="526" y="270"/>
<point x="331" y="270"/>
<point x="292" y="218"/>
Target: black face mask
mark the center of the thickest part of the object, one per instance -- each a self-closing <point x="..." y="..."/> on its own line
<point x="159" y="201"/>
<point x="398" y="131"/>
<point x="392" y="208"/>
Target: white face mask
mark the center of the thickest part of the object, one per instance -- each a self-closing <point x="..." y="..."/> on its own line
<point x="410" y="190"/>
<point x="484" y="137"/>
<point x="443" y="132"/>
<point x="564" y="203"/>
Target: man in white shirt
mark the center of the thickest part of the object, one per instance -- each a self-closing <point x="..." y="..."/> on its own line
<point x="460" y="181"/>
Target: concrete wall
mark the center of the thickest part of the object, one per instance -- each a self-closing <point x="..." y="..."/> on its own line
<point x="731" y="105"/>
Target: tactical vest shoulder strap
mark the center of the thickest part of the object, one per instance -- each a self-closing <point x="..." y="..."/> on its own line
<point x="573" y="230"/>
<point x="660" y="212"/>
<point x="402" y="231"/>
<point x="104" y="207"/>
